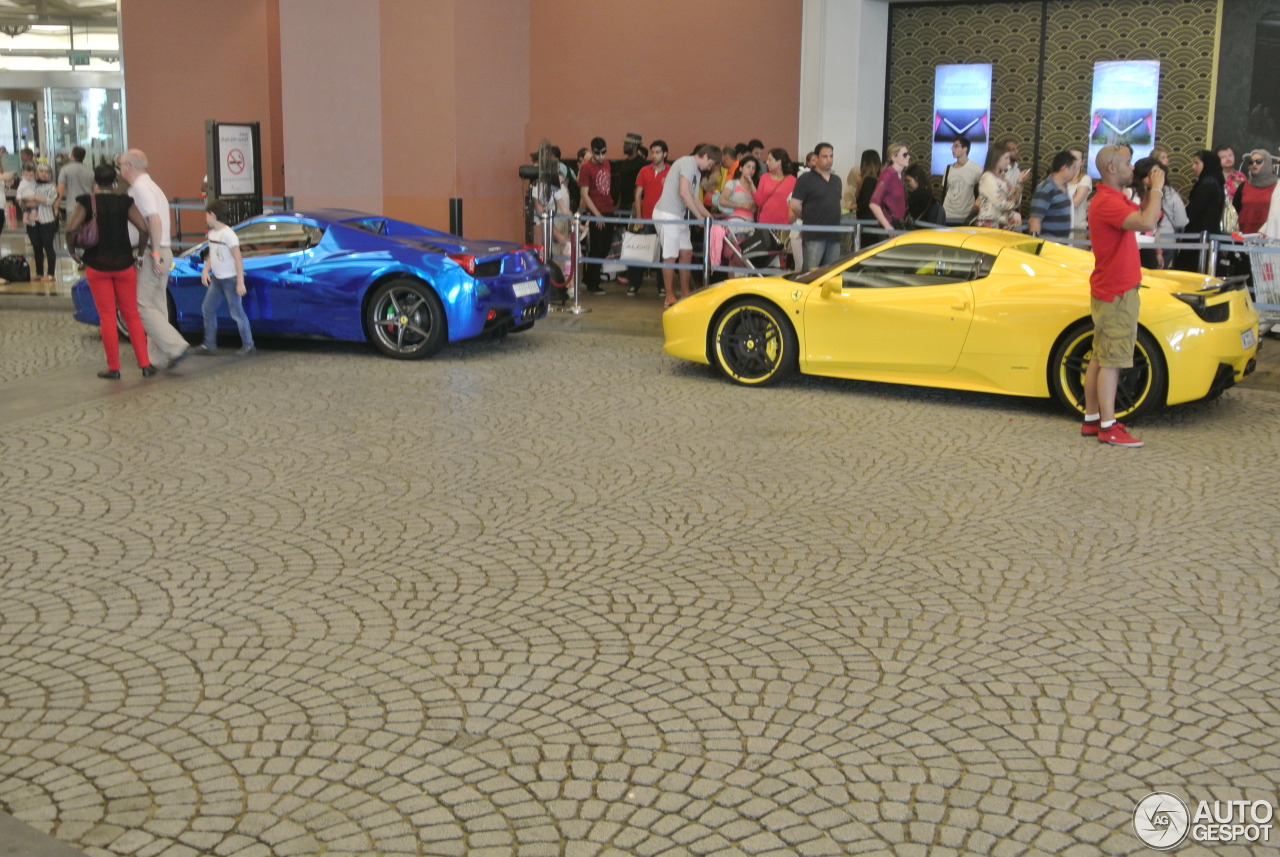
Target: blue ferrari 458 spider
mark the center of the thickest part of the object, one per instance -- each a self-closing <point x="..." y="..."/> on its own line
<point x="347" y="275"/>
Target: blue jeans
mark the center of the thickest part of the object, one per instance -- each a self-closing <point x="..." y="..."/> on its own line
<point x="219" y="288"/>
<point x="820" y="251"/>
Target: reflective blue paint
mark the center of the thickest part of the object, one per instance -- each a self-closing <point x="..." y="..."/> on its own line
<point x="320" y="290"/>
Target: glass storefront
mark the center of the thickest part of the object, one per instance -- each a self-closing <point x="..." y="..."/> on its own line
<point x="92" y="118"/>
<point x="61" y="85"/>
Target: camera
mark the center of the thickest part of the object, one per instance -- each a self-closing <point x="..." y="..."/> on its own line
<point x="529" y="172"/>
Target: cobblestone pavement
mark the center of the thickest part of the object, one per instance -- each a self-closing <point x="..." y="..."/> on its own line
<point x="564" y="595"/>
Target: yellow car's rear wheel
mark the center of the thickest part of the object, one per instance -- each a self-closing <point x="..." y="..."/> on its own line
<point x="1142" y="387"/>
<point x="753" y="343"/>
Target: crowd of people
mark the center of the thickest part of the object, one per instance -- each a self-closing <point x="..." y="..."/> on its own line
<point x="746" y="184"/>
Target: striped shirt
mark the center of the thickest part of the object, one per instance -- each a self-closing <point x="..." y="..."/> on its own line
<point x="1053" y="206"/>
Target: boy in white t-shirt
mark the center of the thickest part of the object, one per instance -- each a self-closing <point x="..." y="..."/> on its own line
<point x="223" y="277"/>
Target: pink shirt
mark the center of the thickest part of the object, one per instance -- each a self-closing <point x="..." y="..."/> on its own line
<point x="771" y="199"/>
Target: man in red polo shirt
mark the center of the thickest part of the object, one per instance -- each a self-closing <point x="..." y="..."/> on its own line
<point x="648" y="191"/>
<point x="1113" y="286"/>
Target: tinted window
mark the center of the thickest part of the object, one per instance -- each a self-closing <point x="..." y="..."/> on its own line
<point x="273" y="237"/>
<point x="917" y="265"/>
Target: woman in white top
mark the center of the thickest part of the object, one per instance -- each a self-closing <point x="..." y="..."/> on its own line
<point x="555" y="200"/>
<point x="997" y="200"/>
<point x="1079" y="191"/>
<point x="36" y="195"/>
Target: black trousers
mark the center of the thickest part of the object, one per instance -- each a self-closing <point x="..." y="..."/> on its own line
<point x="42" y="235"/>
<point x="599" y="243"/>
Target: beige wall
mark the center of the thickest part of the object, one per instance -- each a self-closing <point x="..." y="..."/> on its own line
<point x="182" y="67"/>
<point x="688" y="73"/>
<point x="332" y="115"/>
<point x="396" y="106"/>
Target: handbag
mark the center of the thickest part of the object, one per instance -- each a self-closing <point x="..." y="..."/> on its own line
<point x="1230" y="218"/>
<point x="639" y="247"/>
<point x="87" y="235"/>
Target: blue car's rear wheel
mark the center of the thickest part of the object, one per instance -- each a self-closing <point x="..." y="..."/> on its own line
<point x="405" y="319"/>
<point x="753" y="343"/>
<point x="122" y="327"/>
<point x="1142" y="386"/>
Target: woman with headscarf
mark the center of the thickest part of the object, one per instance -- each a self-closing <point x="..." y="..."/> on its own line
<point x="1204" y="206"/>
<point x="1254" y="198"/>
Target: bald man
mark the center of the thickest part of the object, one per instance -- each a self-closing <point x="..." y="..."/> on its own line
<point x="163" y="340"/>
<point x="1113" y="287"/>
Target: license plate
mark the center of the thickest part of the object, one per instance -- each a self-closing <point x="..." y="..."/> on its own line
<point x="526" y="288"/>
<point x="1248" y="339"/>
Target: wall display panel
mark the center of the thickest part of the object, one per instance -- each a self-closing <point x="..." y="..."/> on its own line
<point x="961" y="108"/>
<point x="1077" y="33"/>
<point x="1178" y="33"/>
<point x="1124" y="107"/>
<point x="1001" y="35"/>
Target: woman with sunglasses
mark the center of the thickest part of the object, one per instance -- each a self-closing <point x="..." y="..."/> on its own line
<point x="1253" y="199"/>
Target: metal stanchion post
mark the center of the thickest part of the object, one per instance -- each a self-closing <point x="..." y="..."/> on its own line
<point x="706" y="252"/>
<point x="577" y="308"/>
<point x="857" y="238"/>
<point x="1213" y="258"/>
<point x="1204" y="253"/>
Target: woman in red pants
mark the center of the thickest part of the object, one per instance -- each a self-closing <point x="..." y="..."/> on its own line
<point x="110" y="266"/>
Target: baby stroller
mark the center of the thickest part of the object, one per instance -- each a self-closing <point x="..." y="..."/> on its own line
<point x="751" y="248"/>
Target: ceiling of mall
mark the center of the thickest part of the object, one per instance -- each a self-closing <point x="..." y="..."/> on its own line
<point x="95" y="14"/>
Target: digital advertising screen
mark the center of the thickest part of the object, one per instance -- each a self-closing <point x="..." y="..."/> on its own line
<point x="961" y="108"/>
<point x="1124" y="107"/>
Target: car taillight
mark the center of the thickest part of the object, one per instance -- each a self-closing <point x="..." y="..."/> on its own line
<point x="465" y="260"/>
<point x="539" y="250"/>
<point x="1215" y="314"/>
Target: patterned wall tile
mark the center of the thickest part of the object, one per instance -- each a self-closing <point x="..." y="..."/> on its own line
<point x="1179" y="33"/>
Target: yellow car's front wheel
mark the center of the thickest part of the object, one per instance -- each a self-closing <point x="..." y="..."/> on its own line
<point x="1142" y="386"/>
<point x="753" y="343"/>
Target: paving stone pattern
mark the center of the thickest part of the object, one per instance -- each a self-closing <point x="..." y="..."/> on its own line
<point x="563" y="595"/>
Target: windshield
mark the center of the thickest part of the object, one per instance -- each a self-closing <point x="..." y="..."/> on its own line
<point x="818" y="273"/>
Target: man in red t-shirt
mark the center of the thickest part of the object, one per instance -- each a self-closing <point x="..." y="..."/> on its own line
<point x="648" y="189"/>
<point x="1113" y="287"/>
<point x="595" y="177"/>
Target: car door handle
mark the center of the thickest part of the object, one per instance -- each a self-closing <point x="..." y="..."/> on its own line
<point x="962" y="306"/>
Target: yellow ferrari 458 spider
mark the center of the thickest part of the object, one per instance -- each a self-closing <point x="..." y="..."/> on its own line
<point x="968" y="309"/>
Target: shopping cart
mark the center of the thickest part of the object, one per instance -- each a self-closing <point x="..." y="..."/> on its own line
<point x="1265" y="268"/>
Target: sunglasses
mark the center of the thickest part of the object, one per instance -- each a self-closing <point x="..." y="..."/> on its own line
<point x="1256" y="161"/>
<point x="600" y="151"/>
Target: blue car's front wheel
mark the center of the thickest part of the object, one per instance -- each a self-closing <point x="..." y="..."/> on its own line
<point x="405" y="319"/>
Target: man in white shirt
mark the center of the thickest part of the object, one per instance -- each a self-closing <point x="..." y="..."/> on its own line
<point x="960" y="184"/>
<point x="153" y="270"/>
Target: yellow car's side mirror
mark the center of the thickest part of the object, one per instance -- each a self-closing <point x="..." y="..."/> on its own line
<point x="831" y="287"/>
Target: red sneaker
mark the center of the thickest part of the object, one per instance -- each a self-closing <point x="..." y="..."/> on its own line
<point x="1117" y="436"/>
<point x="1089" y="428"/>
